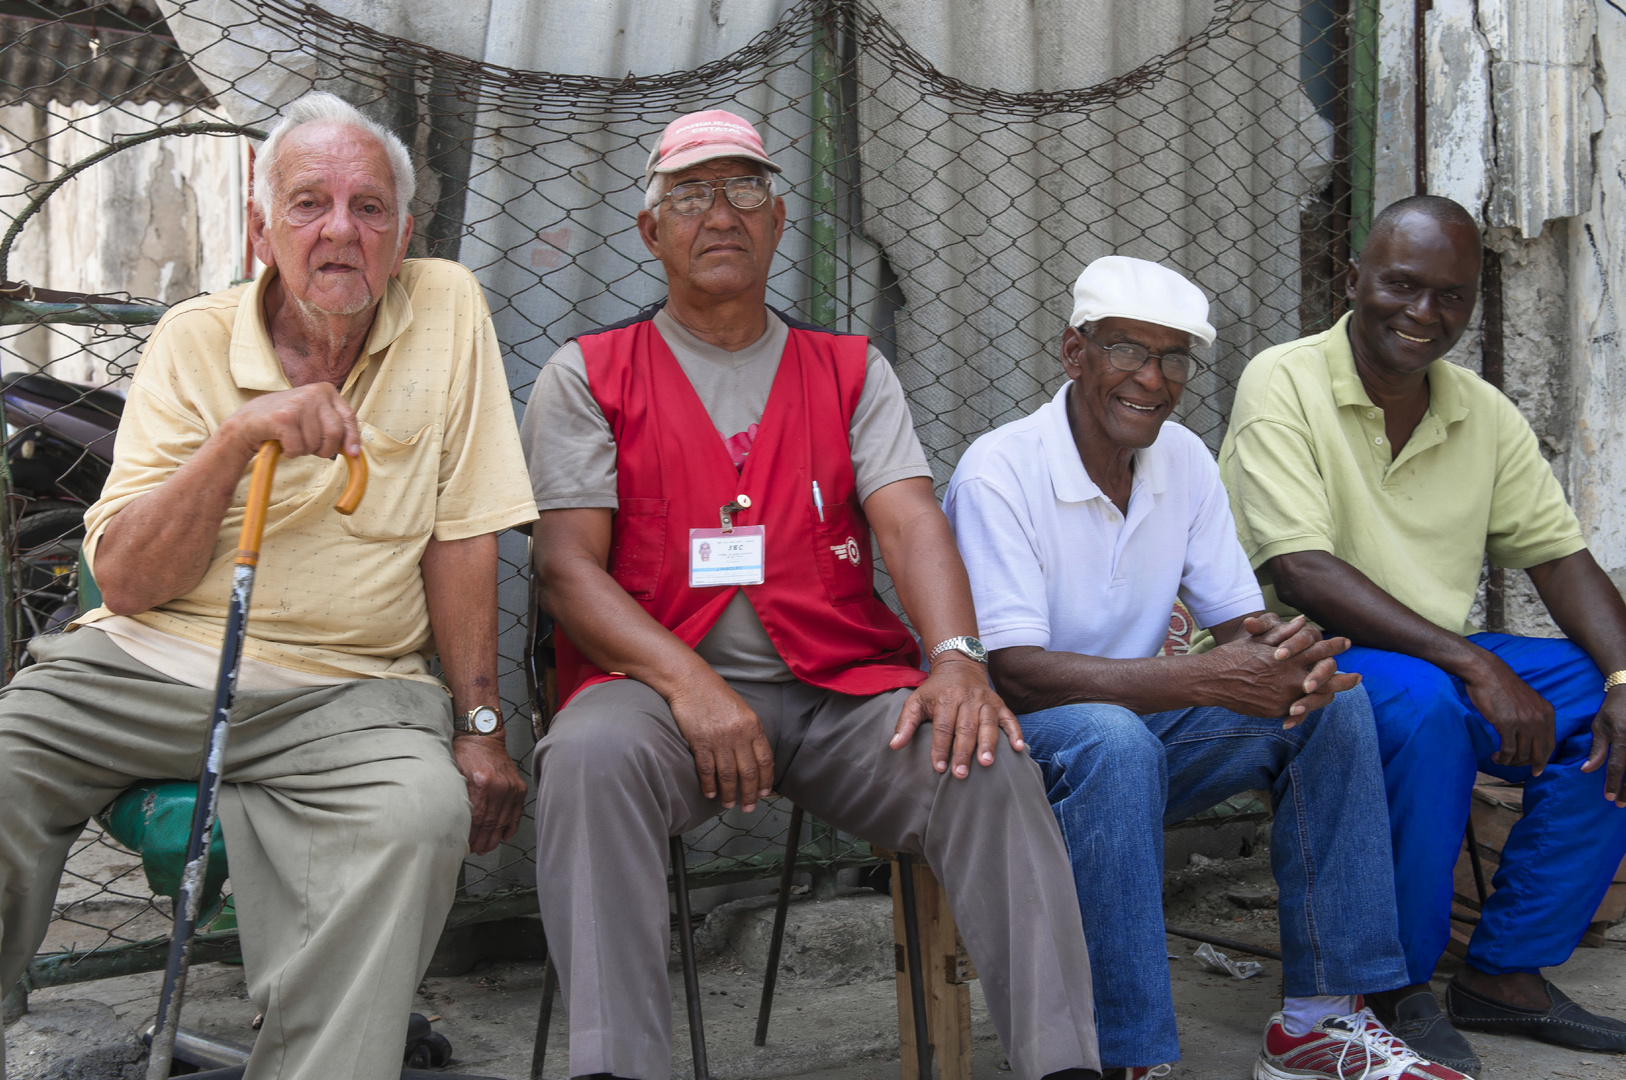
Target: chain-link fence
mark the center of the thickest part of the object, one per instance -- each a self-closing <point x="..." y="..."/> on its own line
<point x="943" y="219"/>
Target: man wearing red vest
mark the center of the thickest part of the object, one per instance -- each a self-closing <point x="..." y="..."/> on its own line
<point x="708" y="474"/>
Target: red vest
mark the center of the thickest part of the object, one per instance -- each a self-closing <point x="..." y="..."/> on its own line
<point x="818" y="602"/>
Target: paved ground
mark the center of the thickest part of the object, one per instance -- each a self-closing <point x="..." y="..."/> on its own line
<point x="849" y="1032"/>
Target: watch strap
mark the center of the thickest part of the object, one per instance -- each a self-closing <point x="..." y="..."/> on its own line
<point x="963" y="643"/>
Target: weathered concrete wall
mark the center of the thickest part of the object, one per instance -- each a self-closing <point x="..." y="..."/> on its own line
<point x="1596" y="255"/>
<point x="1516" y="92"/>
<point x="1396" y="157"/>
<point x="162" y="220"/>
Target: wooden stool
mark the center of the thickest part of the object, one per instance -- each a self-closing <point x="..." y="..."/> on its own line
<point x="920" y="911"/>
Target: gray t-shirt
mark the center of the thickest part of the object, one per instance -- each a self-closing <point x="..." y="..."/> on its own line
<point x="571" y="452"/>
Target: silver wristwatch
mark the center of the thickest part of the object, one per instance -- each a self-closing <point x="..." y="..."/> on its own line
<point x="964" y="643"/>
<point x="482" y="720"/>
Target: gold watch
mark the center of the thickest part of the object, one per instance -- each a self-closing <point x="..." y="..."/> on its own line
<point x="482" y="720"/>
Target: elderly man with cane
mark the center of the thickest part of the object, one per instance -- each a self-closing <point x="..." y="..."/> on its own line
<point x="708" y="474"/>
<point x="355" y="781"/>
<point x="1081" y="525"/>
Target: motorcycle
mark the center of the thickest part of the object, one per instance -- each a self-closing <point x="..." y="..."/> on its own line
<point x="59" y="446"/>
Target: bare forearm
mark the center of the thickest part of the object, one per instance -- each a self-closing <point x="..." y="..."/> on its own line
<point x="1030" y="679"/>
<point x="1345" y="601"/>
<point x="159" y="546"/>
<point x="1586" y="606"/>
<point x="609" y="626"/>
<point x="460" y="588"/>
<point x="918" y="548"/>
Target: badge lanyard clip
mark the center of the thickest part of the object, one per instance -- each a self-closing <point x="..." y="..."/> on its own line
<point x="725" y="513"/>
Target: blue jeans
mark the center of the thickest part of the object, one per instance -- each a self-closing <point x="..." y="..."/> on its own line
<point x="1115" y="779"/>
<point x="1559" y="858"/>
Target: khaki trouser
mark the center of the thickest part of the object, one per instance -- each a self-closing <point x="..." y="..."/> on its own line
<point x="615" y="779"/>
<point x="345" y="822"/>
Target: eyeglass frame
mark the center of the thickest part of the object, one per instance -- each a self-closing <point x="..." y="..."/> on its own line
<point x="722" y="183"/>
<point x="1196" y="363"/>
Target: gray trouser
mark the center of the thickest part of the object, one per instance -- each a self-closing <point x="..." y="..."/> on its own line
<point x="615" y="779"/>
<point x="345" y="822"/>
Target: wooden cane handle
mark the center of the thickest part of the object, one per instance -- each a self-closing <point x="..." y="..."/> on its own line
<point x="356" y="487"/>
<point x="259" y="497"/>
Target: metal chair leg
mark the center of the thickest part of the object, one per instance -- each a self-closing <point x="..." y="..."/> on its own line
<point x="787" y="874"/>
<point x="691" y="974"/>
<point x="544" y="1019"/>
<point x="1473" y="861"/>
<point x="911" y="948"/>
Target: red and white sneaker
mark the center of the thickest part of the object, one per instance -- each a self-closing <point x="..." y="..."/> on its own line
<point x="1355" y="1047"/>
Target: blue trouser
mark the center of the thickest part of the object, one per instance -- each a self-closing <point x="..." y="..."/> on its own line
<point x="1559" y="858"/>
<point x="1115" y="779"/>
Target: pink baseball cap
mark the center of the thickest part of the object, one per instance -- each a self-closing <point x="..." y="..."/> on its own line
<point x="705" y="136"/>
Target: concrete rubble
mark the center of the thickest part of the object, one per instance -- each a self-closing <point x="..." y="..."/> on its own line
<point x="73" y="1039"/>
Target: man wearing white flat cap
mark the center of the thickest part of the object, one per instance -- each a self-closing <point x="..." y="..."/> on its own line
<point x="1080" y="526"/>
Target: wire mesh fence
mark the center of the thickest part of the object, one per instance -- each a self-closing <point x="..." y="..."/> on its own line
<point x="945" y="220"/>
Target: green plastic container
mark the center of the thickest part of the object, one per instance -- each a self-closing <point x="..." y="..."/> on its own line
<point x="154" y="820"/>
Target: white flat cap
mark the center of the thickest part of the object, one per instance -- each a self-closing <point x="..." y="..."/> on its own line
<point x="1118" y="287"/>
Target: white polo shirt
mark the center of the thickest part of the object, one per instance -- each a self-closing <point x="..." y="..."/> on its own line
<point x="1054" y="564"/>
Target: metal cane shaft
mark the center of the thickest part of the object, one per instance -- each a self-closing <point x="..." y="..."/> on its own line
<point x="189" y="895"/>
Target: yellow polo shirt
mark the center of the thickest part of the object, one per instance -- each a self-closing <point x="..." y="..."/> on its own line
<point x="1309" y="468"/>
<point x="335" y="597"/>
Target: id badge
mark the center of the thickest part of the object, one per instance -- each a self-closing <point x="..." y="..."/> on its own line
<point x="726" y="558"/>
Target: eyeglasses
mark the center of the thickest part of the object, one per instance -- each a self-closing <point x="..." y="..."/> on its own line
<point x="696" y="196"/>
<point x="1177" y="366"/>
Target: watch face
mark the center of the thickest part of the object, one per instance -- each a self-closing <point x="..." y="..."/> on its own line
<point x="483" y="721"/>
<point x="974" y="649"/>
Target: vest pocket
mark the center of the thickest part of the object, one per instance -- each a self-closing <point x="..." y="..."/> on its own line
<point x="639" y="550"/>
<point x="841" y="549"/>
<point x="402" y="478"/>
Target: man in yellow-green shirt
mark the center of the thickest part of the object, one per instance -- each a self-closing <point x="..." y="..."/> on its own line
<point x="1369" y="479"/>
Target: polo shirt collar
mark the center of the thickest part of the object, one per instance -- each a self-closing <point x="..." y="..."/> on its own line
<point x="1068" y="477"/>
<point x="1444" y="386"/>
<point x="1445" y="391"/>
<point x="1347" y="388"/>
<point x="254" y="363"/>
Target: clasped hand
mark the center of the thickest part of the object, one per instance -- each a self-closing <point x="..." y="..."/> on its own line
<point x="1284" y="669"/>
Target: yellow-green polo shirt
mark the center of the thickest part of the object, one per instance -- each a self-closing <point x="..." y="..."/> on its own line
<point x="1309" y="468"/>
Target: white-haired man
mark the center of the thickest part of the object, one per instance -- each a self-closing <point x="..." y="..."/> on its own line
<point x="1081" y="525"/>
<point x="355" y="780"/>
<point x="709" y="473"/>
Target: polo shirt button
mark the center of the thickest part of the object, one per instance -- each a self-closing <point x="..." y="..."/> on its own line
<point x="1371" y="414"/>
<point x="1378" y="440"/>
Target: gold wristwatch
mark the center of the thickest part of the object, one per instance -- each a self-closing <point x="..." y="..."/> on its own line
<point x="1614" y="679"/>
<point x="482" y="720"/>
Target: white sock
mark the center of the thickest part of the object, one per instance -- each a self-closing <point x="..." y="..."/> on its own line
<point x="1300" y="1014"/>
